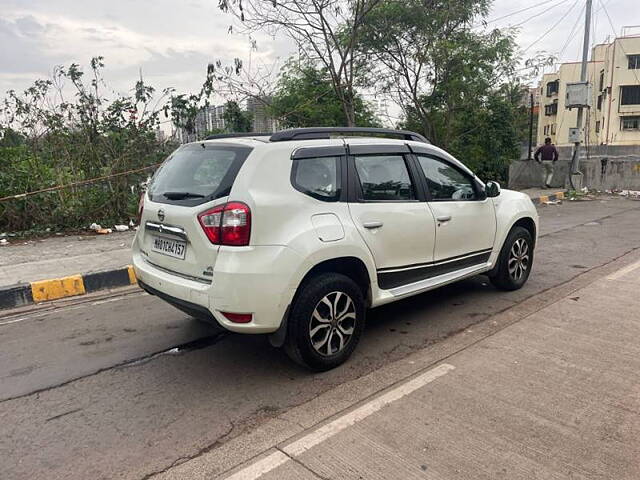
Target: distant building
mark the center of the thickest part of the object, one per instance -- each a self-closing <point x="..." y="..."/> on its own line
<point x="380" y="107"/>
<point x="161" y="136"/>
<point x="209" y="118"/>
<point x="526" y="99"/>
<point x="614" y="114"/>
<point x="262" y="122"/>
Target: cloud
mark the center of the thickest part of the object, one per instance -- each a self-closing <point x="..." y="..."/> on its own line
<point x="40" y="38"/>
<point x="172" y="42"/>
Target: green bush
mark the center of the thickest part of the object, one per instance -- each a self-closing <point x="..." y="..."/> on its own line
<point x="46" y="143"/>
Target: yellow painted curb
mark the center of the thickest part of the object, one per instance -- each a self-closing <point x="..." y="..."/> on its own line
<point x="57" y="288"/>
<point x="132" y="275"/>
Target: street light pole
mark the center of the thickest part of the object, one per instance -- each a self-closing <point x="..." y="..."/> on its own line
<point x="575" y="162"/>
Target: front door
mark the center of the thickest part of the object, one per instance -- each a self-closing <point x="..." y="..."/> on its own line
<point x="465" y="217"/>
<point x="396" y="225"/>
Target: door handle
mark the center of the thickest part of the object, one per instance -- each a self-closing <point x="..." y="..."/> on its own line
<point x="444" y="218"/>
<point x="372" y="224"/>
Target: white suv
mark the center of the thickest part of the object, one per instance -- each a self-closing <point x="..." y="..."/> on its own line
<point x="296" y="235"/>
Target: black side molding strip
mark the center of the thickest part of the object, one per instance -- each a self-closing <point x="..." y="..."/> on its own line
<point x="427" y="264"/>
<point x="388" y="280"/>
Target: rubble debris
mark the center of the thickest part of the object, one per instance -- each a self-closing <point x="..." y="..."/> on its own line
<point x="121" y="228"/>
<point x="4" y="242"/>
<point x="104" y="231"/>
<point x="553" y="202"/>
<point x="95" y="226"/>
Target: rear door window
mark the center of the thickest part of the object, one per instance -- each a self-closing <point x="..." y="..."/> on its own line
<point x="197" y="173"/>
<point x="384" y="178"/>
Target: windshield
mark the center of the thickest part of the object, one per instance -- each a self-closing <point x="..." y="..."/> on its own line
<point x="197" y="173"/>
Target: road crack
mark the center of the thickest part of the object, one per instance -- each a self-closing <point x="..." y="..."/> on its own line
<point x="177" y="350"/>
<point x="185" y="458"/>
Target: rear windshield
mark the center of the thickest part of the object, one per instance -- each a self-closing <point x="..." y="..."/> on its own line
<point x="197" y="173"/>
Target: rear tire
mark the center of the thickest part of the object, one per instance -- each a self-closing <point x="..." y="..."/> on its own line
<point x="326" y="322"/>
<point x="515" y="260"/>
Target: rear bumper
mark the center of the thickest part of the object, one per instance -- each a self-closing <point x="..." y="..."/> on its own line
<point x="190" y="308"/>
<point x="254" y="280"/>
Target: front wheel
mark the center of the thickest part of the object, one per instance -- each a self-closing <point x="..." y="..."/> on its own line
<point x="515" y="260"/>
<point x="326" y="322"/>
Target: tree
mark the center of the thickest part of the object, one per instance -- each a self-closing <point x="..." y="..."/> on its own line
<point x="431" y="59"/>
<point x="326" y="33"/>
<point x="487" y="135"/>
<point x="236" y="119"/>
<point x="304" y="97"/>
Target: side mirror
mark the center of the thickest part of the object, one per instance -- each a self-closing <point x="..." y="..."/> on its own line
<point x="492" y="189"/>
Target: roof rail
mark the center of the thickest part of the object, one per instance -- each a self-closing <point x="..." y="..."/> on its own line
<point x="325" y="132"/>
<point x="237" y="135"/>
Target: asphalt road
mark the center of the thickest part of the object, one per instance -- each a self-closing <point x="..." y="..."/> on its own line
<point x="125" y="387"/>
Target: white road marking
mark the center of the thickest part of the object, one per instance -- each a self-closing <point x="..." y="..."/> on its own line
<point x="623" y="271"/>
<point x="259" y="468"/>
<point x="17" y="320"/>
<point x="319" y="435"/>
<point x="109" y="300"/>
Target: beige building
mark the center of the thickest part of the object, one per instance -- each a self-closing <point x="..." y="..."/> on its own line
<point x="614" y="114"/>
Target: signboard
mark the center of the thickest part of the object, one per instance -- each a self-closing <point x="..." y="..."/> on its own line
<point x="578" y="95"/>
<point x="574" y="135"/>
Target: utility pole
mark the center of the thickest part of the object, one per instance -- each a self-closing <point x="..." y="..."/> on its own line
<point x="530" y="127"/>
<point x="575" y="175"/>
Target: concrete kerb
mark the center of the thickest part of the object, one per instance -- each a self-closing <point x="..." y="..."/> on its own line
<point x="542" y="199"/>
<point x="19" y="295"/>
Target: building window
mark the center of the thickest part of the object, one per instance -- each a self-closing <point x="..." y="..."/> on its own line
<point x="634" y="62"/>
<point x="599" y="102"/>
<point x="630" y="123"/>
<point x="552" y="88"/>
<point x="630" y="95"/>
<point x="551" y="109"/>
<point x="598" y="126"/>
<point x="553" y="129"/>
<point x="601" y="80"/>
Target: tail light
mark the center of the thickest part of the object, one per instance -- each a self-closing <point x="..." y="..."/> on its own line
<point x="228" y="224"/>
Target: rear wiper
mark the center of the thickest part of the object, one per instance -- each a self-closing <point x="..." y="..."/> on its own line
<point x="181" y="195"/>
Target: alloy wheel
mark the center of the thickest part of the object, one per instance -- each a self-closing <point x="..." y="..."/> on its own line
<point x="332" y="323"/>
<point x="519" y="259"/>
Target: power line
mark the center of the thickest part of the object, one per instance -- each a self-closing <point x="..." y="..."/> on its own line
<point x="545" y="11"/>
<point x="572" y="34"/>
<point x="553" y="27"/>
<point x="517" y="12"/>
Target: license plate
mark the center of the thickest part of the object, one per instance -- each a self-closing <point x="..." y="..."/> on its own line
<point x="167" y="246"/>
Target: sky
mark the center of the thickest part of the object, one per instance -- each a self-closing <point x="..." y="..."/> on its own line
<point x="171" y="42"/>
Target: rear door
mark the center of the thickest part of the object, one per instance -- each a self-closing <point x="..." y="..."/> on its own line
<point x="465" y="217"/>
<point x="195" y="178"/>
<point x="387" y="206"/>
